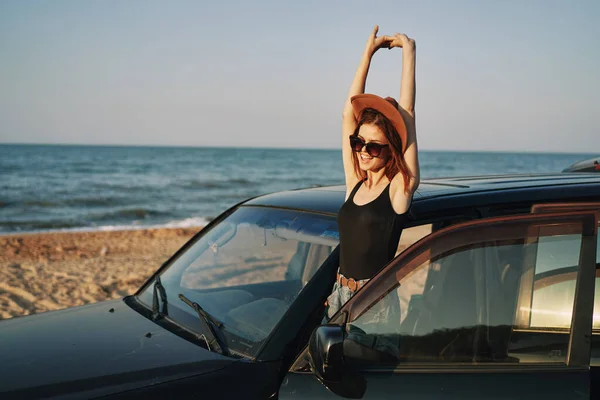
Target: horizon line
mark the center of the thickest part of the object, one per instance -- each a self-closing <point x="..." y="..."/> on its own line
<point x="281" y="148"/>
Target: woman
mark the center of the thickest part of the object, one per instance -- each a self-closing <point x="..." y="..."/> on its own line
<point x="379" y="150"/>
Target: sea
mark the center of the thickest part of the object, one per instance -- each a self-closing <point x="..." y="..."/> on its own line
<point x="81" y="188"/>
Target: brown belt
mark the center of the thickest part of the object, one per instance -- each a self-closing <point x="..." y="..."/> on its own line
<point x="350" y="283"/>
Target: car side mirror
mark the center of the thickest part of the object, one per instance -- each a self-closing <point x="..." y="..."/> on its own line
<point x="326" y="352"/>
<point x="326" y="358"/>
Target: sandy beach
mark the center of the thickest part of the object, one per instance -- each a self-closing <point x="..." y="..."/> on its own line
<point x="49" y="271"/>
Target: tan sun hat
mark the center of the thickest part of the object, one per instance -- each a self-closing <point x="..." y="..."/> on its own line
<point x="384" y="106"/>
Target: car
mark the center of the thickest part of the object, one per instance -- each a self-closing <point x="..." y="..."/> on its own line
<point x="495" y="277"/>
<point x="591" y="165"/>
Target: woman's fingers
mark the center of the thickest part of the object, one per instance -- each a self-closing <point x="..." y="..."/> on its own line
<point x="375" y="42"/>
<point x="383" y="41"/>
<point x="396" y="40"/>
<point x="372" y="36"/>
<point x="400" y="40"/>
<point x="402" y="37"/>
<point x="375" y="30"/>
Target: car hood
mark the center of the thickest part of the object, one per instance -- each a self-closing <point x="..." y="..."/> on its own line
<point x="94" y="350"/>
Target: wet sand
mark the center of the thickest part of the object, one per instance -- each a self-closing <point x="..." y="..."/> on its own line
<point x="49" y="271"/>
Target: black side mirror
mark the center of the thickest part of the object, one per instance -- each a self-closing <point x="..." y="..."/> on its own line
<point x="326" y="357"/>
<point x="326" y="352"/>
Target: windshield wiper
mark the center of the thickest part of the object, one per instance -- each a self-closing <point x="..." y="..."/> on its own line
<point x="210" y="323"/>
<point x="158" y="287"/>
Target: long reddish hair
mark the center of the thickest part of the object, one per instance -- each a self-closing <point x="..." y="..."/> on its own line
<point x="396" y="163"/>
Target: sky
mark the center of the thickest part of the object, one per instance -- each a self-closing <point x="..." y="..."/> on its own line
<point x="491" y="75"/>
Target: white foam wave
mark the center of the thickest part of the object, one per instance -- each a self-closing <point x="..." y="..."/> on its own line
<point x="192" y="222"/>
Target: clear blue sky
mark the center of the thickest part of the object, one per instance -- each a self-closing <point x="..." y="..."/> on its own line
<point x="491" y="75"/>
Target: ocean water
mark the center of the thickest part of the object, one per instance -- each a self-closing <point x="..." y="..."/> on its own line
<point x="56" y="187"/>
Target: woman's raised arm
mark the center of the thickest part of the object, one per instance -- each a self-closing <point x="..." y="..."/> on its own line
<point x="407" y="105"/>
<point x="374" y="43"/>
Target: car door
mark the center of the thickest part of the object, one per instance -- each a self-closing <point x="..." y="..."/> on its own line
<point x="471" y="326"/>
<point x="567" y="282"/>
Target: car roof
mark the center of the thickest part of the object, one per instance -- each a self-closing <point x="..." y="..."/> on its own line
<point x="453" y="192"/>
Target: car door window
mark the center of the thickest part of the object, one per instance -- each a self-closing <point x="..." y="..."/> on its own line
<point x="483" y="297"/>
<point x="564" y="281"/>
<point x="554" y="286"/>
<point x="412" y="235"/>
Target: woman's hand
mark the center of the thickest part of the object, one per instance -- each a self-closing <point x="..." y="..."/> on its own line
<point x="375" y="43"/>
<point x="403" y="41"/>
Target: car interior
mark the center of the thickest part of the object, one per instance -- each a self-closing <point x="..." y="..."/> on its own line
<point x="468" y="311"/>
<point x="251" y="311"/>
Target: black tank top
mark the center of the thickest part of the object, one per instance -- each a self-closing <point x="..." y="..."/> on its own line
<point x="369" y="235"/>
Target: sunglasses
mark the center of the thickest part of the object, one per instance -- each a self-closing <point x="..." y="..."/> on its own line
<point x="372" y="148"/>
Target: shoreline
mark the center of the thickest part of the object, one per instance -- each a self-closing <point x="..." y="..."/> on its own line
<point x="100" y="229"/>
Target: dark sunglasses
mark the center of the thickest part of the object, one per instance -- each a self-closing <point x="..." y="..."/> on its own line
<point x="372" y="148"/>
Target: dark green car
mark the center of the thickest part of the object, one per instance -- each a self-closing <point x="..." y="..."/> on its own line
<point x="495" y="278"/>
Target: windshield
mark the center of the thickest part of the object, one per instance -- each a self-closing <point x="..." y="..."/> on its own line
<point x="246" y="271"/>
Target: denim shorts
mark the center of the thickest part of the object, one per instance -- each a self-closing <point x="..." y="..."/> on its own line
<point x="375" y="325"/>
<point x="339" y="296"/>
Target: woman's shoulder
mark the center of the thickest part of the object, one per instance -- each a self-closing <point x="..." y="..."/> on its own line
<point x="352" y="185"/>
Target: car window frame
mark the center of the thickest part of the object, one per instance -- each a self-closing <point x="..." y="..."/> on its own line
<point x="579" y="343"/>
<point x="575" y="206"/>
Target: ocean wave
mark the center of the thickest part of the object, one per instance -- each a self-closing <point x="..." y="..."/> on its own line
<point x="187" y="222"/>
<point x="301" y="183"/>
<point x="10" y="168"/>
<point x="193" y="222"/>
<point x="216" y="184"/>
<point x="127" y="213"/>
<point x="69" y="202"/>
<point x="135" y="212"/>
<point x="38" y="203"/>
<point x="60" y="227"/>
<point x="438" y="167"/>
<point x="22" y="226"/>
<point x="85" y="169"/>
<point x="122" y="188"/>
